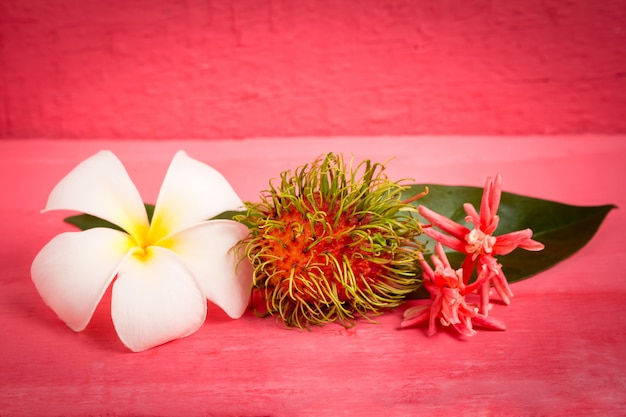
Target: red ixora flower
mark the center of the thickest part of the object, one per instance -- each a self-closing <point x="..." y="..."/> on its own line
<point x="448" y="304"/>
<point x="479" y="244"/>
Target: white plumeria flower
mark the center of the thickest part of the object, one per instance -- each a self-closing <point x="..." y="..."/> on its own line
<point x="166" y="269"/>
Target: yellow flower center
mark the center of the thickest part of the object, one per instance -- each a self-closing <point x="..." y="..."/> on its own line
<point x="144" y="237"/>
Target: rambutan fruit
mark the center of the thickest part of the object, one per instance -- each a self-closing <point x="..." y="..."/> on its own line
<point x="331" y="242"/>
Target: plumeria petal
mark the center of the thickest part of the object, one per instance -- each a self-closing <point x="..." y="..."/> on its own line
<point x="191" y="192"/>
<point x="74" y="269"/>
<point x="100" y="186"/>
<point x="155" y="300"/>
<point x="207" y="251"/>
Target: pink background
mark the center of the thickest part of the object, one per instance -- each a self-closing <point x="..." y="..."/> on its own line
<point x="447" y="91"/>
<point x="231" y="69"/>
<point x="562" y="355"/>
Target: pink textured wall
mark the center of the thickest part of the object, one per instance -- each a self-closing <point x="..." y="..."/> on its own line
<point x="244" y="68"/>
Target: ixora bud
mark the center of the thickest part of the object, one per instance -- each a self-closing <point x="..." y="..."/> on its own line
<point x="332" y="242"/>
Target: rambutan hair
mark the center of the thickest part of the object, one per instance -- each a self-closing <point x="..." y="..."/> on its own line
<point x="330" y="242"/>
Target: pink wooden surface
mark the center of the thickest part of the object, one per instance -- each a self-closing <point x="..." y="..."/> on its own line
<point x="562" y="355"/>
<point x="249" y="68"/>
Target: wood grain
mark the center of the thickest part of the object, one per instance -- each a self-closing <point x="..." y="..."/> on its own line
<point x="563" y="352"/>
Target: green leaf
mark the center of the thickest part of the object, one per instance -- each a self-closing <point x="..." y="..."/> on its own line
<point x="228" y="215"/>
<point x="562" y="228"/>
<point x="87" y="221"/>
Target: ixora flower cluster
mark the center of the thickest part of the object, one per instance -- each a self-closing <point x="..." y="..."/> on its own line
<point x="448" y="287"/>
<point x="328" y="242"/>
